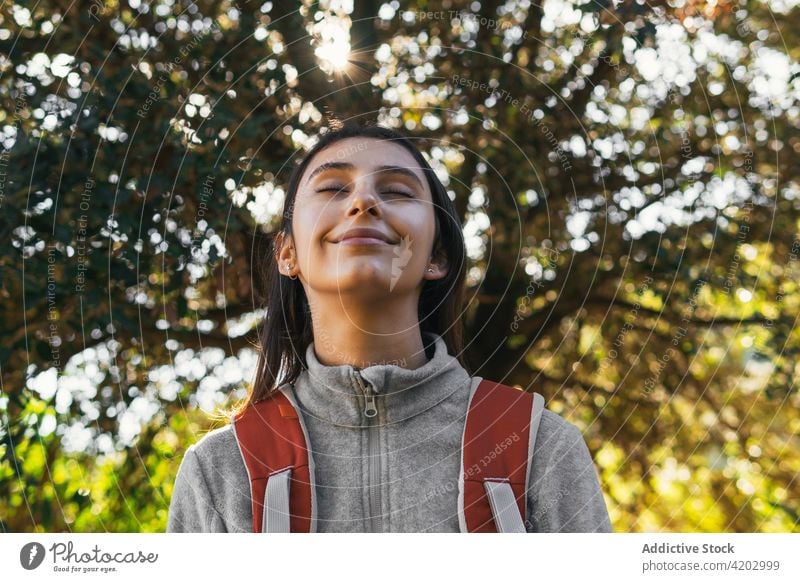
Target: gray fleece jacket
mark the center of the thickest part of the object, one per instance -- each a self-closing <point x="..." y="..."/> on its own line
<point x="421" y="415"/>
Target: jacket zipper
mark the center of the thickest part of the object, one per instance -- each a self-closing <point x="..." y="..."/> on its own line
<point x="374" y="453"/>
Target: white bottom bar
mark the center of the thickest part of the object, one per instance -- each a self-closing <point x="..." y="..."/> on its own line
<point x="191" y="557"/>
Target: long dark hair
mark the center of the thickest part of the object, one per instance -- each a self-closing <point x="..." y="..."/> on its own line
<point x="286" y="330"/>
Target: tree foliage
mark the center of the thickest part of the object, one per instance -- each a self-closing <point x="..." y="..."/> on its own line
<point x="626" y="175"/>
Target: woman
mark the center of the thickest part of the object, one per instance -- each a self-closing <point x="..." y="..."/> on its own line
<point x="366" y="285"/>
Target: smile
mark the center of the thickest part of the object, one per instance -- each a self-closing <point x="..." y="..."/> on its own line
<point x="363" y="240"/>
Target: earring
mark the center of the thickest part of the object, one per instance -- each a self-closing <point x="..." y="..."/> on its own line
<point x="289" y="268"/>
<point x="430" y="270"/>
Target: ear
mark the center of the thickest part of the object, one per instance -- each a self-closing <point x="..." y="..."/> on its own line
<point x="284" y="253"/>
<point x="437" y="262"/>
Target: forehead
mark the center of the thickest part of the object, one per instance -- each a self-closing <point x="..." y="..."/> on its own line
<point x="366" y="154"/>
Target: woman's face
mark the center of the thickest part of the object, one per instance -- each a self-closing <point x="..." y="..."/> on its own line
<point x="360" y="183"/>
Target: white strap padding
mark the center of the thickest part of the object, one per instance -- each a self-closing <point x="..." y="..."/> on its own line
<point x="536" y="419"/>
<point x="288" y="391"/>
<point x="276" y="503"/>
<point x="504" y="507"/>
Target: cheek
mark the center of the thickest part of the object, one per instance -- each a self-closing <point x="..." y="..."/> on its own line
<point x="308" y="228"/>
<point x="412" y="255"/>
<point x="419" y="225"/>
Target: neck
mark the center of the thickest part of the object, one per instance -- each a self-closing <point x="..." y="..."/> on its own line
<point x="364" y="335"/>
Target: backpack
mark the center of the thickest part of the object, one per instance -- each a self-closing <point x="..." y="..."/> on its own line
<point x="497" y="446"/>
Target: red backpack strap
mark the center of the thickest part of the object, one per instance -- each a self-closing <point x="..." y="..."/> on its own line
<point x="497" y="446"/>
<point x="272" y="441"/>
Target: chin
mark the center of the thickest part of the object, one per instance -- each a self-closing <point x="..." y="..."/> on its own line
<point x="365" y="279"/>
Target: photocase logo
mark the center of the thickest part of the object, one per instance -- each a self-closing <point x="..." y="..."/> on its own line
<point x="403" y="255"/>
<point x="31" y="555"/>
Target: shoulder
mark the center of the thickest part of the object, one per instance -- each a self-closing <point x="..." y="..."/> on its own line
<point x="217" y="453"/>
<point x="211" y="490"/>
<point x="218" y="442"/>
<point x="556" y="431"/>
<point x="553" y="430"/>
<point x="554" y="438"/>
<point x="565" y="493"/>
<point x="213" y="460"/>
<point x="560" y="449"/>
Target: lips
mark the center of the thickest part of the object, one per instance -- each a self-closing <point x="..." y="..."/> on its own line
<point x="364" y="236"/>
<point x="363" y="241"/>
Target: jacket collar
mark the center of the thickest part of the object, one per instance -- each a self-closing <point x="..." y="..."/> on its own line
<point x="336" y="394"/>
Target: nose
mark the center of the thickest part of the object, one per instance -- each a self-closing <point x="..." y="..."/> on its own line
<point x="364" y="199"/>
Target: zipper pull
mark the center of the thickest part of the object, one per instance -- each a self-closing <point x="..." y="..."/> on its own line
<point x="370" y="410"/>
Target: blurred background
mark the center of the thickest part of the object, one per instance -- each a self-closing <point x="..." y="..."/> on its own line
<point x="626" y="173"/>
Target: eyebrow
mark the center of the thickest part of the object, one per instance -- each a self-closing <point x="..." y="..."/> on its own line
<point x="380" y="169"/>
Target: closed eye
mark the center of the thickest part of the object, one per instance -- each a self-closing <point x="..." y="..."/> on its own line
<point x="341" y="189"/>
